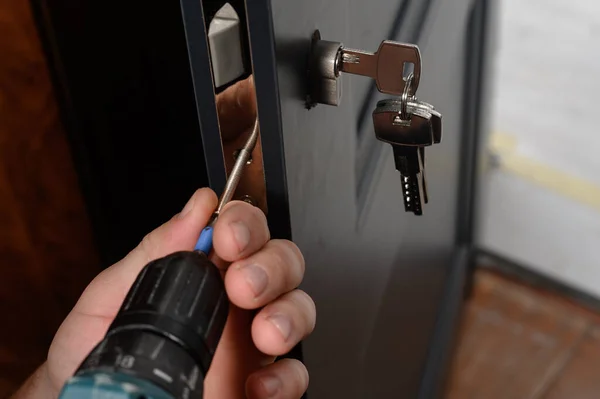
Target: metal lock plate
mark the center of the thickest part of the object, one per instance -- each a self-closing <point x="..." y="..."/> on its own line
<point x="237" y="111"/>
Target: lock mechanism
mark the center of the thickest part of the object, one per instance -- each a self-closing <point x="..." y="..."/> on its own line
<point x="324" y="71"/>
<point x="406" y="123"/>
<point x="390" y="66"/>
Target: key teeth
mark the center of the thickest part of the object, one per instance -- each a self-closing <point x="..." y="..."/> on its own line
<point x="412" y="195"/>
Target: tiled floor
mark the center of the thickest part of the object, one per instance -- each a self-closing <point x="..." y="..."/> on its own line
<point x="523" y="343"/>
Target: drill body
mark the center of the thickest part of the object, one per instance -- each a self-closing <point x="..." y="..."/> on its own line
<point x="162" y="341"/>
<point x="99" y="385"/>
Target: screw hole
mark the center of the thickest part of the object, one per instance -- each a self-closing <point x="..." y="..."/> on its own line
<point x="248" y="199"/>
<point x="236" y="154"/>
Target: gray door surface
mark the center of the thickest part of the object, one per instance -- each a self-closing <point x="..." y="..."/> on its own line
<point x="377" y="274"/>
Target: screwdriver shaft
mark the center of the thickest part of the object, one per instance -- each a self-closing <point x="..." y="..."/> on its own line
<point x="204" y="243"/>
<point x="238" y="168"/>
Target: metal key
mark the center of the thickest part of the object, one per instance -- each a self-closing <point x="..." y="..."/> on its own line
<point x="421" y="127"/>
<point x="409" y="126"/>
<point x="408" y="138"/>
<point x="427" y="110"/>
<point x="385" y="66"/>
<point x="410" y="164"/>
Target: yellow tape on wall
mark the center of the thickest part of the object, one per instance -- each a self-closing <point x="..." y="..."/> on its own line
<point x="573" y="187"/>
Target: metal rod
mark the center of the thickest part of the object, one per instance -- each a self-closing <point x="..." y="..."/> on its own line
<point x="238" y="168"/>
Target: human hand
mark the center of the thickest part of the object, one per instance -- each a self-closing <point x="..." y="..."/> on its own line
<point x="259" y="273"/>
<point x="243" y="366"/>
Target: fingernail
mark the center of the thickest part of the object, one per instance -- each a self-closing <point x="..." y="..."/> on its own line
<point x="241" y="234"/>
<point x="256" y="277"/>
<point x="270" y="385"/>
<point x="283" y="324"/>
<point x="187" y="208"/>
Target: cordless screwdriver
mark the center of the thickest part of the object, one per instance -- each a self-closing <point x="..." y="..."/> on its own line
<point x="163" y="339"/>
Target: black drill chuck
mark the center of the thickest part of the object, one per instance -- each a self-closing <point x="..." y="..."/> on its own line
<point x="168" y="327"/>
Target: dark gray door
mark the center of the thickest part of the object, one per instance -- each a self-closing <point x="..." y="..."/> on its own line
<point x="379" y="276"/>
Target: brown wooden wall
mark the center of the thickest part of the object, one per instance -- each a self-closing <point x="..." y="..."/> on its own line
<point x="46" y="250"/>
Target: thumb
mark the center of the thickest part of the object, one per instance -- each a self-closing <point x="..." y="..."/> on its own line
<point x="105" y="294"/>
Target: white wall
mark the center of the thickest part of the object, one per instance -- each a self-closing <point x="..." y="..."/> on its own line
<point x="542" y="201"/>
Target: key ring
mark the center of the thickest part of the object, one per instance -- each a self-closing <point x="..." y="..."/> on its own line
<point x="404" y="98"/>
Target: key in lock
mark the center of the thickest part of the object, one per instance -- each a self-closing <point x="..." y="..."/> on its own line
<point x="406" y="123"/>
<point x="386" y="67"/>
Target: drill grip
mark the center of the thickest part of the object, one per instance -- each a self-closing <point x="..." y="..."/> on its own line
<point x="165" y="333"/>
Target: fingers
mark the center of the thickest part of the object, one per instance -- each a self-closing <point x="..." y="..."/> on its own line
<point x="268" y="278"/>
<point x="241" y="230"/>
<point x="264" y="276"/>
<point x="285" y="379"/>
<point x="106" y="292"/>
<point x="278" y="327"/>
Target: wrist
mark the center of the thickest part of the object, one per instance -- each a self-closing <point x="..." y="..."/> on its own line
<point x="37" y="386"/>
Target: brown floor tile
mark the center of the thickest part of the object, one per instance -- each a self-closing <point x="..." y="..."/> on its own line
<point x="580" y="379"/>
<point x="516" y="341"/>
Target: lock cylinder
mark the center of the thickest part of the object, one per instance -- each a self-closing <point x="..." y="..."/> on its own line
<point x="324" y="71"/>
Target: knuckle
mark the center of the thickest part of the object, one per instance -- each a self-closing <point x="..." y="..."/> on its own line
<point x="298" y="254"/>
<point x="251" y="215"/>
<point x="263" y="222"/>
<point x="303" y="376"/>
<point x="306" y="307"/>
<point x="258" y="220"/>
<point x="153" y="243"/>
<point x="299" y="375"/>
<point x="311" y="306"/>
<point x="280" y="254"/>
<point x="296" y="263"/>
<point x="286" y="263"/>
<point x="290" y="254"/>
<point x="234" y="209"/>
